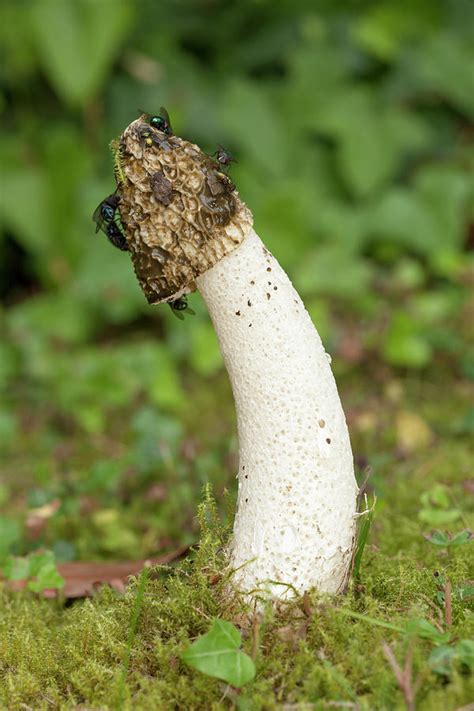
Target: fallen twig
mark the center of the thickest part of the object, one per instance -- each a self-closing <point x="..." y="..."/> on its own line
<point x="403" y="676"/>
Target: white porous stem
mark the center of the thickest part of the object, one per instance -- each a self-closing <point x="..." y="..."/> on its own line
<point x="295" y="519"/>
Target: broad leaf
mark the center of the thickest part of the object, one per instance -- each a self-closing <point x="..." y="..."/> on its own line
<point x="16" y="568"/>
<point x="10" y="533"/>
<point x="217" y="653"/>
<point x="423" y="628"/>
<point x="47" y="578"/>
<point x="442" y="658"/>
<point x="78" y="41"/>
<point x="447" y="540"/>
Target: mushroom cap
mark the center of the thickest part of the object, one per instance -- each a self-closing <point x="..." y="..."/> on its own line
<point x="181" y="215"/>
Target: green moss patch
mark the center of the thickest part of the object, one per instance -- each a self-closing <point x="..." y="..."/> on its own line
<point x="321" y="651"/>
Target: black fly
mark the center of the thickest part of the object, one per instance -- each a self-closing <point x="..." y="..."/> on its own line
<point x="224" y="157"/>
<point x="179" y="306"/>
<point x="106" y="219"/>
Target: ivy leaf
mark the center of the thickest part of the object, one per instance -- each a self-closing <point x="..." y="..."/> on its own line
<point x="217" y="653"/>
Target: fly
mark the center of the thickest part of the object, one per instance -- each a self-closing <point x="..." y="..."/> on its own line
<point x="180" y="306"/>
<point x="106" y="219"/>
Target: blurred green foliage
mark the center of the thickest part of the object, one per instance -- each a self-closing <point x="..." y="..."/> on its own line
<point x="352" y="123"/>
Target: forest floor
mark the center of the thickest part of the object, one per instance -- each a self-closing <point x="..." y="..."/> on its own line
<point x="401" y="637"/>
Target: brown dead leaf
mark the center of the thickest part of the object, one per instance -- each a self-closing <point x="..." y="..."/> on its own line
<point x="83" y="579"/>
<point x="292" y="634"/>
<point x="243" y="620"/>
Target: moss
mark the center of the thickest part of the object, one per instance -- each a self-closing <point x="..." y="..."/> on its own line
<point x="61" y="656"/>
<point x="53" y="656"/>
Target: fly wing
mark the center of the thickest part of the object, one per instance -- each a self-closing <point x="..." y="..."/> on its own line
<point x="164" y="114"/>
<point x="98" y="219"/>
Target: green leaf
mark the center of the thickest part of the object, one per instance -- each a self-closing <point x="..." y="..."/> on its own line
<point x="370" y="620"/>
<point x="165" y="389"/>
<point x="268" y="144"/>
<point x="10" y="533"/>
<point x="304" y="96"/>
<point x="332" y="269"/>
<point x="459" y="539"/>
<point x="386" y="27"/>
<point x="444" y="66"/>
<point x="441" y="659"/>
<point x="445" y="539"/>
<point x="32" y="225"/>
<point x="465" y="592"/>
<point x="47" y="578"/>
<point x="77" y="41"/>
<point x="373" y="141"/>
<point x="446" y="193"/>
<point x="39" y="560"/>
<point x="205" y="355"/>
<point x="405" y="344"/>
<point x="438" y="517"/>
<point x="438" y="538"/>
<point x="217" y="654"/>
<point x="465" y="652"/>
<point x="39" y="566"/>
<point x="423" y="628"/>
<point x="403" y="218"/>
<point x="436" y="496"/>
<point x="16" y="568"/>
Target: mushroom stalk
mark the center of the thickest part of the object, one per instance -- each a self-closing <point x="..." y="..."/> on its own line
<point x="296" y="505"/>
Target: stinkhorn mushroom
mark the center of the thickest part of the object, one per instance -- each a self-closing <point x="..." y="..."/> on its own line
<point x="187" y="228"/>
